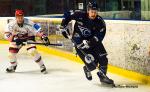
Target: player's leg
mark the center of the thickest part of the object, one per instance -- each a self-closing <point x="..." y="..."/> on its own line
<point x="103" y="64"/>
<point x="13" y="50"/>
<point x="37" y="57"/>
<point x="88" y="66"/>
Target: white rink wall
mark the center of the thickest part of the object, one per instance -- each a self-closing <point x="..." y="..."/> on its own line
<point x="127" y="43"/>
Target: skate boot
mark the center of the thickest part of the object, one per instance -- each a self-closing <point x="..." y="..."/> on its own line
<point x="43" y="69"/>
<point x="104" y="79"/>
<point x="11" y="69"/>
<point x="87" y="73"/>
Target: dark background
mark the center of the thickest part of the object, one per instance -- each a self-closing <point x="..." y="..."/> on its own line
<point x="46" y="7"/>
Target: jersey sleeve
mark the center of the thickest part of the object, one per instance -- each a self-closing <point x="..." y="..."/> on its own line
<point x="102" y="29"/>
<point x="77" y="38"/>
<point x="34" y="27"/>
<point x="68" y="17"/>
<point x="8" y="30"/>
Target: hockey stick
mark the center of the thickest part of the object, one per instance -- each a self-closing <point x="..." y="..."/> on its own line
<point x="39" y="43"/>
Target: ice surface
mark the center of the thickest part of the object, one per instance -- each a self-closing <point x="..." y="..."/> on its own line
<point x="63" y="76"/>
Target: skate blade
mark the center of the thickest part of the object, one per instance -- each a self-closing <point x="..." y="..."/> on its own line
<point x="108" y="85"/>
<point x="10" y="72"/>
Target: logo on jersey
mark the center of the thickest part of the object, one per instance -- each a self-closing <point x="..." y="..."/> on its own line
<point x="85" y="31"/>
<point x="89" y="58"/>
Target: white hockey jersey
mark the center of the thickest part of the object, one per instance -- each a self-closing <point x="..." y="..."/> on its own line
<point x="29" y="29"/>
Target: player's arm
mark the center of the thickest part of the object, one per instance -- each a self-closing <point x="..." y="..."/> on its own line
<point x="102" y="29"/>
<point x="100" y="32"/>
<point x="9" y="32"/>
<point x="67" y="18"/>
<point x="40" y="33"/>
<point x="8" y="36"/>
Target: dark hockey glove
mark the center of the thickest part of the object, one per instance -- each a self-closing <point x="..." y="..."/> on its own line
<point x="18" y="41"/>
<point x="93" y="41"/>
<point x="45" y="40"/>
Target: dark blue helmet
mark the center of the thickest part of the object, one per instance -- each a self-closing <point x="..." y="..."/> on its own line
<point x="92" y="6"/>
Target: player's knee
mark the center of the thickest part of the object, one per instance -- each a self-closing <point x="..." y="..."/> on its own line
<point x="12" y="54"/>
<point x="33" y="51"/>
<point x="12" y="57"/>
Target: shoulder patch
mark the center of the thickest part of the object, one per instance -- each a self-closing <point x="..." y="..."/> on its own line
<point x="37" y="27"/>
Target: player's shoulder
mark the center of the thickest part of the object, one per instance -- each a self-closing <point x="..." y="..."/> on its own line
<point x="10" y="25"/>
<point x="99" y="18"/>
<point x="28" y="22"/>
<point x="12" y="22"/>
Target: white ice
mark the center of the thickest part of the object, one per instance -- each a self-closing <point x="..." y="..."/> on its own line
<point x="63" y="76"/>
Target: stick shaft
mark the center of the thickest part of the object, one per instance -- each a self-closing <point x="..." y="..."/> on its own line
<point x="43" y="43"/>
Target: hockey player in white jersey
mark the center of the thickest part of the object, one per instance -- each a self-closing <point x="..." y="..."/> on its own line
<point x="22" y="30"/>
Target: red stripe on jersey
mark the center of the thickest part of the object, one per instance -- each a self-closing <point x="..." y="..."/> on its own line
<point x="31" y="47"/>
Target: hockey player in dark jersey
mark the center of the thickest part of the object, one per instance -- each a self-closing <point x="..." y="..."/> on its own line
<point x="89" y="32"/>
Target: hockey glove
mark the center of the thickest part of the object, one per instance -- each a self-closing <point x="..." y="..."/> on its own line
<point x="83" y="45"/>
<point x="45" y="40"/>
<point x="93" y="41"/>
<point x="18" y="41"/>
